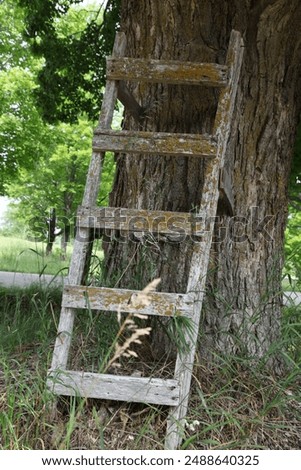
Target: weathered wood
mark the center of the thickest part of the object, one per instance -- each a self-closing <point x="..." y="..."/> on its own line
<point x="125" y="300"/>
<point x="154" y="143"/>
<point x="200" y="258"/>
<point x="177" y="224"/>
<point x="169" y="71"/>
<point x="111" y="387"/>
<point x="168" y="392"/>
<point x="82" y="243"/>
<point x="105" y="121"/>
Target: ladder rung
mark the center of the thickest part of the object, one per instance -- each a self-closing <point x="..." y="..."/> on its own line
<point x="114" y="387"/>
<point x="177" y="224"/>
<point x="125" y="300"/>
<point x="169" y="71"/>
<point x="154" y="143"/>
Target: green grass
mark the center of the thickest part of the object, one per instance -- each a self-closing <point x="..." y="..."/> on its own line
<point x="19" y="255"/>
<point x="28" y="321"/>
<point x="235" y="403"/>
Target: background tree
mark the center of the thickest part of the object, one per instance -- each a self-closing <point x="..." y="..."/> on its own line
<point x="48" y="194"/>
<point x="21" y="136"/>
<point x="43" y="166"/>
<point x="14" y="49"/>
<point x="21" y="127"/>
<point x="73" y="75"/>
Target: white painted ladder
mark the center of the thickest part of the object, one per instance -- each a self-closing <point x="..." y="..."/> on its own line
<point x="172" y="392"/>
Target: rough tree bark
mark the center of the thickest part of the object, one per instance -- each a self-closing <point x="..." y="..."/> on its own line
<point x="243" y="301"/>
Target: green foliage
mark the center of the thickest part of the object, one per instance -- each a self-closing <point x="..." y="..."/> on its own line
<point x="293" y="231"/>
<point x="12" y="225"/>
<point x="57" y="180"/>
<point x="180" y="331"/>
<point x="21" y="136"/>
<point x="18" y="328"/>
<point x="14" y="49"/>
<point x="293" y="249"/>
<point x="20" y="123"/>
<point x="73" y="74"/>
<point x="42" y="166"/>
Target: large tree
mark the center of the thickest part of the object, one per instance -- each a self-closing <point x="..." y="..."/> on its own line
<point x="243" y="303"/>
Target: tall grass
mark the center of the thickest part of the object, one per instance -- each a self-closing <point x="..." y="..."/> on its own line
<point x="20" y="255"/>
<point x="235" y="403"/>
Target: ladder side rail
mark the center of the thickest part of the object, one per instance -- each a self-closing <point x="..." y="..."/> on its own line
<point x="105" y="121"/>
<point x="81" y="248"/>
<point x="200" y="257"/>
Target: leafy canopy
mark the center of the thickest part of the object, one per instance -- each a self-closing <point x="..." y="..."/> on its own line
<point x="42" y="165"/>
<point x="73" y="75"/>
<point x="14" y="48"/>
<point x="21" y="128"/>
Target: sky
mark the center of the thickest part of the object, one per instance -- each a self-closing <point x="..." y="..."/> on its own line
<point x="89" y="2"/>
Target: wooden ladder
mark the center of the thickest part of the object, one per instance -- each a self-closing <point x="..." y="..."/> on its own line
<point x="172" y="392"/>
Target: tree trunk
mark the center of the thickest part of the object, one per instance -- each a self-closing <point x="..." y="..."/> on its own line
<point x="51" y="226"/>
<point x="243" y="301"/>
<point x="66" y="230"/>
<point x="67" y="209"/>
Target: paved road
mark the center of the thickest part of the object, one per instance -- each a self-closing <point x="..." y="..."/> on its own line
<point x="292" y="298"/>
<point x="10" y="279"/>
